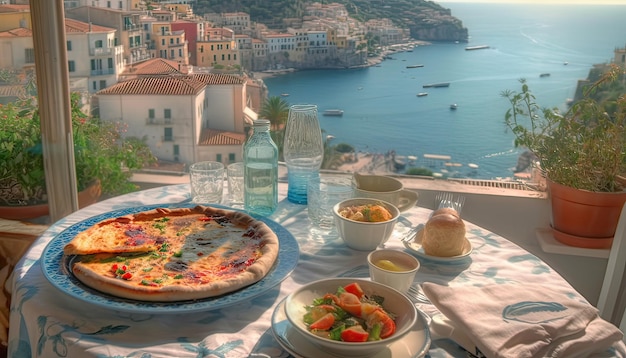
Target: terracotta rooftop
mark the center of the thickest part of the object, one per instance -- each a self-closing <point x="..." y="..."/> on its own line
<point x="171" y="84"/>
<point x="14" y="8"/>
<point x="158" y="85"/>
<point x="19" y="32"/>
<point x="155" y="66"/>
<point x="217" y="137"/>
<point x="71" y="26"/>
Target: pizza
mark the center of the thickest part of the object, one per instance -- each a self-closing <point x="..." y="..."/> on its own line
<point x="173" y="254"/>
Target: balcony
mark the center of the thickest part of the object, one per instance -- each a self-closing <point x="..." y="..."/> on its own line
<point x="101" y="51"/>
<point x="102" y="72"/>
<point x="158" y="121"/>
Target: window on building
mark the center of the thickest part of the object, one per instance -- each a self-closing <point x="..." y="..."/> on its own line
<point x="168" y="134"/>
<point x="94" y="85"/>
<point x="120" y="5"/>
<point x="109" y="4"/>
<point x="69" y="45"/>
<point x="96" y="64"/>
<point x="98" y="44"/>
<point x="172" y="54"/>
<point x="171" y="41"/>
<point x="71" y="66"/>
<point x="231" y="157"/>
<point x="180" y="52"/>
<point x="163" y="42"/>
<point x="167" y="114"/>
<point x="218" y="157"/>
<point x="29" y="53"/>
<point x="103" y="84"/>
<point x="110" y="63"/>
<point x="150" y="115"/>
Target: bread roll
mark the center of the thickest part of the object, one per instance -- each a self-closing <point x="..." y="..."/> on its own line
<point x="446" y="211"/>
<point x="444" y="235"/>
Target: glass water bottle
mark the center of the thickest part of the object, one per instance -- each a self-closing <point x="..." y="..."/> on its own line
<point x="260" y="157"/>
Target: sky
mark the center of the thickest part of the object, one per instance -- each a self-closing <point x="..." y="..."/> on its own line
<point x="593" y="2"/>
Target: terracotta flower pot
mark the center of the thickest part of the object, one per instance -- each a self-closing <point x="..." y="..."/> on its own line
<point x="85" y="198"/>
<point x="582" y="218"/>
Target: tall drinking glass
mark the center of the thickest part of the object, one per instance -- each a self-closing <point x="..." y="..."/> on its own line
<point x="303" y="150"/>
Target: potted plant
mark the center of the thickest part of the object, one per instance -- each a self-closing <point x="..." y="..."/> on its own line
<point x="104" y="160"/>
<point x="581" y="153"/>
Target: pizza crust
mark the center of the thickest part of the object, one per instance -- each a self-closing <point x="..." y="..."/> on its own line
<point x="217" y="251"/>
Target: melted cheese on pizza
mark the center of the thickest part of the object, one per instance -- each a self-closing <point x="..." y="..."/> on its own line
<point x="194" y="252"/>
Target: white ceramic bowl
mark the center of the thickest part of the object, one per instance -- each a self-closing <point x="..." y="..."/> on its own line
<point x="401" y="276"/>
<point x="365" y="236"/>
<point x="395" y="302"/>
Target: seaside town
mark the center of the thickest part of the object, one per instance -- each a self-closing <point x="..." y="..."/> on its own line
<point x="142" y="63"/>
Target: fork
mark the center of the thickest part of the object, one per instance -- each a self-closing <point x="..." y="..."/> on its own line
<point x="411" y="234"/>
<point x="415" y="291"/>
<point x="447" y="200"/>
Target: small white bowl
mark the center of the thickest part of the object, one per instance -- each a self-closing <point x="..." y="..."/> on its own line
<point x="360" y="235"/>
<point x="406" y="266"/>
<point x="395" y="303"/>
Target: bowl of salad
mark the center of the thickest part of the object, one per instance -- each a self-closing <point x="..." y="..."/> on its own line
<point x="350" y="317"/>
<point x="365" y="223"/>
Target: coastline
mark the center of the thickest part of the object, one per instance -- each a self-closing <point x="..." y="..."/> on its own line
<point x="363" y="162"/>
<point x="371" y="61"/>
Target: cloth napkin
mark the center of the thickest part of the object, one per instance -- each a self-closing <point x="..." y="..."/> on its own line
<point x="527" y="320"/>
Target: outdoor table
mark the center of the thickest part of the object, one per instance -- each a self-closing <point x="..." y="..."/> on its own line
<point x="46" y="322"/>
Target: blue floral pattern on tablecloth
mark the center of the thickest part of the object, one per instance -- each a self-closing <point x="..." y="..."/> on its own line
<point x="48" y="323"/>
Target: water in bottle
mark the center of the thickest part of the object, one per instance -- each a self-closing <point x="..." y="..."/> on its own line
<point x="260" y="156"/>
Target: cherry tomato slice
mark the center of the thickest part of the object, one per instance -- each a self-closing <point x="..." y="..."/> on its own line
<point x="354" y="334"/>
<point x="355" y="289"/>
<point x="323" y="323"/>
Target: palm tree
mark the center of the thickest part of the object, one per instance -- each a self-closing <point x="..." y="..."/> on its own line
<point x="276" y="110"/>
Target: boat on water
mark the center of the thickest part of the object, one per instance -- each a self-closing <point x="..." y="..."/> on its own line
<point x="453" y="106"/>
<point x="284" y="94"/>
<point x="333" y="112"/>
<point x="414" y="66"/>
<point x="399" y="162"/>
<point x="435" y="85"/>
<point x="422" y="94"/>
<point x="544" y="75"/>
<point x="479" y="47"/>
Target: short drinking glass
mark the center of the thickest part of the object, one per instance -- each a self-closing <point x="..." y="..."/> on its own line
<point x="207" y="182"/>
<point x="234" y="173"/>
<point x="323" y="193"/>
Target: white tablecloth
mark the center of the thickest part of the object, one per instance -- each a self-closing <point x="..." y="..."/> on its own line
<point x="45" y="322"/>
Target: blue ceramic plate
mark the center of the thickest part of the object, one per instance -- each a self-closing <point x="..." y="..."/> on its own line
<point x="57" y="269"/>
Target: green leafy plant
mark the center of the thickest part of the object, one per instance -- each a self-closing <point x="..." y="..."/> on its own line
<point x="100" y="153"/>
<point x="583" y="148"/>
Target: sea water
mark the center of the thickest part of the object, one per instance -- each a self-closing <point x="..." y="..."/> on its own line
<point x="382" y="112"/>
